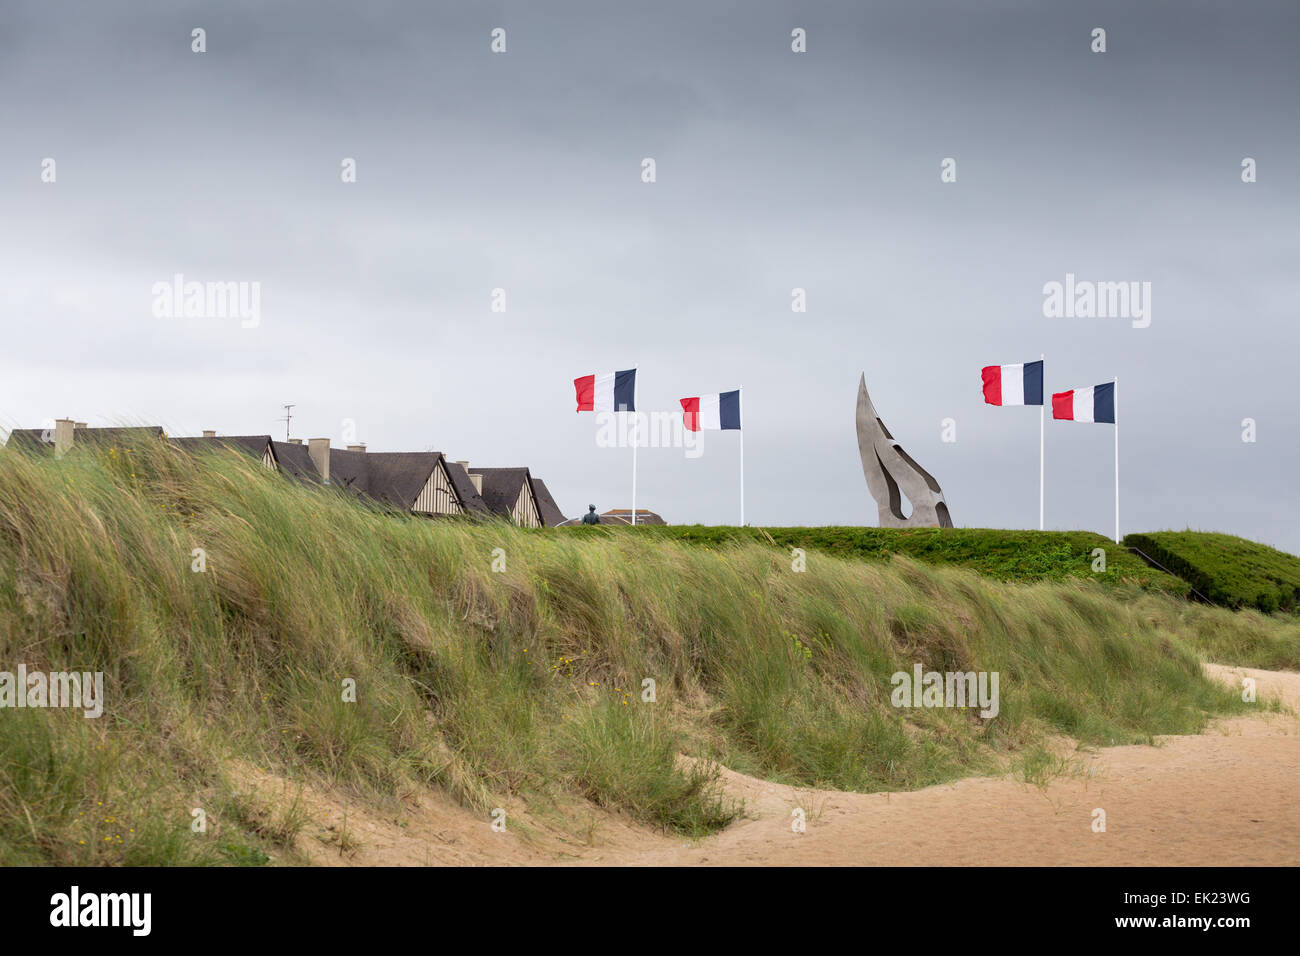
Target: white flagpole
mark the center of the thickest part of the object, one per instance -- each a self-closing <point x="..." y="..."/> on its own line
<point x="1115" y="408"/>
<point x="636" y="440"/>
<point x="1042" y="413"/>
<point x="740" y="400"/>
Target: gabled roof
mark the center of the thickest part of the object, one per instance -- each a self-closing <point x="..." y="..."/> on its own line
<point x="551" y="514"/>
<point x="396" y="478"/>
<point x="501" y="487"/>
<point x="32" y="439"/>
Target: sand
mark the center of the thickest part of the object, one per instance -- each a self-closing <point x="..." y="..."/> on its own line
<point x="1228" y="797"/>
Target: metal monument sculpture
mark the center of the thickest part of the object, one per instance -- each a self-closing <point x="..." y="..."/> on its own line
<point x="891" y="474"/>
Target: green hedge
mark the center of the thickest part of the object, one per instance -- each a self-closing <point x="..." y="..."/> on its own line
<point x="1007" y="555"/>
<point x="1225" y="569"/>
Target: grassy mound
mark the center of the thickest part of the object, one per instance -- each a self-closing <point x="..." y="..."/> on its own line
<point x="1227" y="570"/>
<point x="1005" y="555"/>
<point x="525" y="683"/>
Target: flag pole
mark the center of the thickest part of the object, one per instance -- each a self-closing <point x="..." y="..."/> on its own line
<point x="1115" y="409"/>
<point x="636" y="436"/>
<point x="1042" y="413"/>
<point x="740" y="401"/>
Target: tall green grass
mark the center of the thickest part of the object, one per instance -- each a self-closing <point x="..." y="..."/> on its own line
<point x="526" y="684"/>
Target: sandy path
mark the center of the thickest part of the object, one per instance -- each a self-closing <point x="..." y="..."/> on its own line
<point x="1230" y="796"/>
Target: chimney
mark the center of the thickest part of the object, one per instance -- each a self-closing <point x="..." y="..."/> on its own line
<point x="63" y="428"/>
<point x="295" y="441"/>
<point x="209" y="433"/>
<point x="477" y="480"/>
<point x="360" y="448"/>
<point x="319" y="449"/>
<point x="79" y="425"/>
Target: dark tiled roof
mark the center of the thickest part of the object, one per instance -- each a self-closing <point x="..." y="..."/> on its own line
<point x="350" y="470"/>
<point x="501" y="488"/>
<point x="29" y="439"/>
<point x="253" y="444"/>
<point x="546" y="506"/>
<point x="295" y="461"/>
<point x="470" y="499"/>
<point x="32" y="439"/>
<point x="393" y="478"/>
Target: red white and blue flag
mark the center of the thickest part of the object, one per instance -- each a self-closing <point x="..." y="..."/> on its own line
<point x="1013" y="384"/>
<point x="607" y="392"/>
<point x="1095" y="404"/>
<point x="721" y="411"/>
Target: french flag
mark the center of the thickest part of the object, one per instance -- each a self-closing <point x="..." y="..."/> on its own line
<point x="1013" y="384"/>
<point x="721" y="411"/>
<point x="1096" y="404"/>
<point x="607" y="391"/>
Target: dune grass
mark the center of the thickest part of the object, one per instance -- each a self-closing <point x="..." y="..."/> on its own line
<point x="529" y="684"/>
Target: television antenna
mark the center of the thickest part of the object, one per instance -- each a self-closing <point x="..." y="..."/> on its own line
<point x="288" y="417"/>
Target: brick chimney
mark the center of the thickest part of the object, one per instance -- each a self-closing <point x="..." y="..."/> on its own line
<point x="360" y="448"/>
<point x="78" y="425"/>
<point x="295" y="441"/>
<point x="209" y="433"/>
<point x="63" y="428"/>
<point x="319" y="449"/>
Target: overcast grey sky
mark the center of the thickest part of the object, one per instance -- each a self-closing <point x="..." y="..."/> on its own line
<point x="775" y="170"/>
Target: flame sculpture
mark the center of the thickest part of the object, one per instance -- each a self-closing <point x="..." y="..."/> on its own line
<point x="891" y="474"/>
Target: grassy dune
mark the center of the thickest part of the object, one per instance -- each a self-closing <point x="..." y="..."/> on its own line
<point x="524" y="684"/>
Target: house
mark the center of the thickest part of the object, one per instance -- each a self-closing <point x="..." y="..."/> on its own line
<point x="66" y="433"/>
<point x="291" y="458"/>
<point x="509" y="493"/>
<point x="624" y="516"/>
<point x="422" y="483"/>
<point x="257" y="445"/>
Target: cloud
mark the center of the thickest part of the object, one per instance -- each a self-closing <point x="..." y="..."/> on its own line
<point x="819" y="170"/>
